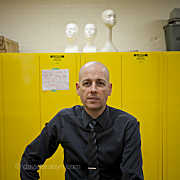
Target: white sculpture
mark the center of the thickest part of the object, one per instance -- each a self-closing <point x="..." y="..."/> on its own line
<point x="90" y="33"/>
<point x="71" y="34"/>
<point x="109" y="19"/>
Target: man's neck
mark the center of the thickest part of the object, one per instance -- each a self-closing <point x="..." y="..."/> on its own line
<point x="95" y="113"/>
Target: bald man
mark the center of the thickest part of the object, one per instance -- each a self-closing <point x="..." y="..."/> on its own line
<point x="100" y="142"/>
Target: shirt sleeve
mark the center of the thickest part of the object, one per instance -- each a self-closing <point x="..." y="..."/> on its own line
<point x="131" y="164"/>
<point x="38" y="151"/>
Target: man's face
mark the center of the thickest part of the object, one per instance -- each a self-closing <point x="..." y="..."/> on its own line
<point x="94" y="87"/>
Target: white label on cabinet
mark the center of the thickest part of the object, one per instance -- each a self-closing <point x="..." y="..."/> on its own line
<point x="57" y="79"/>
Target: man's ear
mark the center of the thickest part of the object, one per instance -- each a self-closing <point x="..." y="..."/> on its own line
<point x="77" y="88"/>
<point x="110" y="89"/>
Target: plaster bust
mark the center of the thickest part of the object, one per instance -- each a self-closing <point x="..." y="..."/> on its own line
<point x="71" y="30"/>
<point x="90" y="33"/>
<point x="71" y="34"/>
<point x="109" y="19"/>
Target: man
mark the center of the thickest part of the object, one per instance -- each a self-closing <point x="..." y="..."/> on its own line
<point x="100" y="142"/>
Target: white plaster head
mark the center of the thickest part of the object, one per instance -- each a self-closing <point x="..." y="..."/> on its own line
<point x="109" y="17"/>
<point x="71" y="30"/>
<point x="90" y="31"/>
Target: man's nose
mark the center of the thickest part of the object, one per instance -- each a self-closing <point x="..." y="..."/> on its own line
<point x="93" y="87"/>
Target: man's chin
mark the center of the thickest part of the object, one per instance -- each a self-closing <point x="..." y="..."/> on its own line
<point x="93" y="107"/>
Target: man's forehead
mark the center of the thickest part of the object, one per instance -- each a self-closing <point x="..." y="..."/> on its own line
<point x="93" y="70"/>
<point x="93" y="79"/>
<point x="93" y="76"/>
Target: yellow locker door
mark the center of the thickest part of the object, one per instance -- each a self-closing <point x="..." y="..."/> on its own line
<point x="1" y="123"/>
<point x="58" y="74"/>
<point x="20" y="75"/>
<point x="141" y="96"/>
<point x="172" y="118"/>
<point x="113" y="63"/>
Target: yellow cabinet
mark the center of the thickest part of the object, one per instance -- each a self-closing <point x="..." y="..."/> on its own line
<point x="1" y="123"/>
<point x="141" y="96"/>
<point x="144" y="84"/>
<point x="171" y="144"/>
<point x="21" y="113"/>
<point x="57" y="66"/>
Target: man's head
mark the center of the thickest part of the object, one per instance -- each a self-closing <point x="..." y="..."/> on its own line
<point x="94" y="86"/>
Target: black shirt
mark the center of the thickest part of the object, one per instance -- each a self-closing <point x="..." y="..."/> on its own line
<point x="118" y="141"/>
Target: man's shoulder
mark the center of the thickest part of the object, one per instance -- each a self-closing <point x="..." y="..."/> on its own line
<point x="66" y="115"/>
<point x="121" y="115"/>
<point x="72" y="111"/>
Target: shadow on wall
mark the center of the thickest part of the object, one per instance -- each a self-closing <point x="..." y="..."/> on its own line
<point x="156" y="38"/>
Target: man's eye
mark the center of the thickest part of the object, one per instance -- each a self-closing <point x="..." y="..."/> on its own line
<point x="86" y="84"/>
<point x="101" y="83"/>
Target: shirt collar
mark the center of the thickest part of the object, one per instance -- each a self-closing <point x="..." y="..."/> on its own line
<point x="102" y="120"/>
